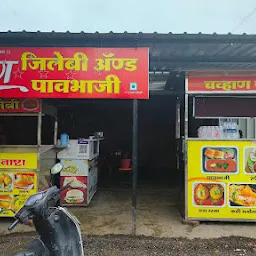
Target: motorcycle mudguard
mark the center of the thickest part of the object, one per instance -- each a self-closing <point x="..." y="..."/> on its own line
<point x="61" y="234"/>
<point x="23" y="254"/>
<point x="35" y="248"/>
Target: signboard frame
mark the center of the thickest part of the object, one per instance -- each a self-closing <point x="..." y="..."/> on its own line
<point x="69" y="72"/>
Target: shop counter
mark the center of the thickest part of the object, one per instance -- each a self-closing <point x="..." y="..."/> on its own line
<point x="24" y="170"/>
<point x="221" y="180"/>
<point x="18" y="177"/>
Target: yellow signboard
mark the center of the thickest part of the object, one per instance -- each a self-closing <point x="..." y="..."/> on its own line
<point x="18" y="160"/>
<point x="15" y="188"/>
<point x="221" y="180"/>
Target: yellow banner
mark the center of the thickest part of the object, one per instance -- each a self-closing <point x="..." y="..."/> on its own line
<point x="221" y="180"/>
<point x="15" y="188"/>
<point x="18" y="161"/>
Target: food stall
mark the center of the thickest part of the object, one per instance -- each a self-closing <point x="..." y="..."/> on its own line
<point x="220" y="171"/>
<point x="78" y="73"/>
<point x="80" y="171"/>
<point x="19" y="164"/>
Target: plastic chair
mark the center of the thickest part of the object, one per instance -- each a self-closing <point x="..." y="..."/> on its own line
<point x="126" y="165"/>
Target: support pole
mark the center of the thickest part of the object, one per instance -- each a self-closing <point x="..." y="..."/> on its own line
<point x="134" y="164"/>
<point x="39" y="129"/>
<point x="55" y="136"/>
<point x="39" y="125"/>
<point x="185" y="148"/>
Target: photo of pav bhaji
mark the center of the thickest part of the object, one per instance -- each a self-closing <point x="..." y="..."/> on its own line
<point x="220" y="160"/>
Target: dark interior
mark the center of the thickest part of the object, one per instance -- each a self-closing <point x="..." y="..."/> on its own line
<point x="156" y="134"/>
<point x="81" y="118"/>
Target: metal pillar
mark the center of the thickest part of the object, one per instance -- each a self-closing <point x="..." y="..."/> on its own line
<point x="55" y="136"/>
<point x="185" y="146"/>
<point x="39" y="129"/>
<point x="134" y="164"/>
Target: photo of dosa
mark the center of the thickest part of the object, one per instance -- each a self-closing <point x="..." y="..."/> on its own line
<point x="243" y="195"/>
<point x="6" y="180"/>
<point x="219" y="160"/>
<point x="24" y="181"/>
<point x="74" y="182"/>
<point x="74" y="196"/>
<point x="250" y="159"/>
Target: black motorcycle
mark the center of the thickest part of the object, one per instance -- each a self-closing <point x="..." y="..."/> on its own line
<point x="59" y="231"/>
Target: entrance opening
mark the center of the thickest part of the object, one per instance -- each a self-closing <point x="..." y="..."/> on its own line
<point x="156" y="137"/>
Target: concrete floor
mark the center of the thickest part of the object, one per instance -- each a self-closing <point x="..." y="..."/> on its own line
<point x="110" y="213"/>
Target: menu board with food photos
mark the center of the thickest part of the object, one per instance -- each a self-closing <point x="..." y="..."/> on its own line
<point x="15" y="188"/>
<point x="221" y="180"/>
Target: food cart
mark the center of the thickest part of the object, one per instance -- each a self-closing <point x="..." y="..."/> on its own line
<point x="220" y="166"/>
<point x="80" y="170"/>
<point x="20" y="164"/>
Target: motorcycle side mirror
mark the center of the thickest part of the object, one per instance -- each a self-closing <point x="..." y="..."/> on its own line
<point x="57" y="168"/>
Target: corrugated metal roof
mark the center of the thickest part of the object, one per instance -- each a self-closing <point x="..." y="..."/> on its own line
<point x="168" y="52"/>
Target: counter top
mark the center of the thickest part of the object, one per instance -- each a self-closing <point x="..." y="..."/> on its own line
<point x="199" y="139"/>
<point x="29" y="148"/>
<point x="19" y="146"/>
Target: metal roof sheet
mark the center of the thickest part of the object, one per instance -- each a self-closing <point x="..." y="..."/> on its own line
<point x="168" y="52"/>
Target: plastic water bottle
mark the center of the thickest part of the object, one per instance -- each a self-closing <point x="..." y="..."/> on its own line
<point x="217" y="132"/>
<point x="236" y="131"/>
<point x="204" y="132"/>
<point x="225" y="130"/>
<point x="230" y="130"/>
<point x="221" y="134"/>
<point x="233" y="130"/>
<point x="214" y="132"/>
<point x="209" y="132"/>
<point x="200" y="132"/>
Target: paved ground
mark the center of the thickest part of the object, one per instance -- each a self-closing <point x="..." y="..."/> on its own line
<point x="158" y="216"/>
<point x="159" y="221"/>
<point x="145" y="246"/>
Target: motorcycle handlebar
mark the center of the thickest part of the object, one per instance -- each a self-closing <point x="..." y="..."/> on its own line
<point x="65" y="187"/>
<point x="13" y="225"/>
